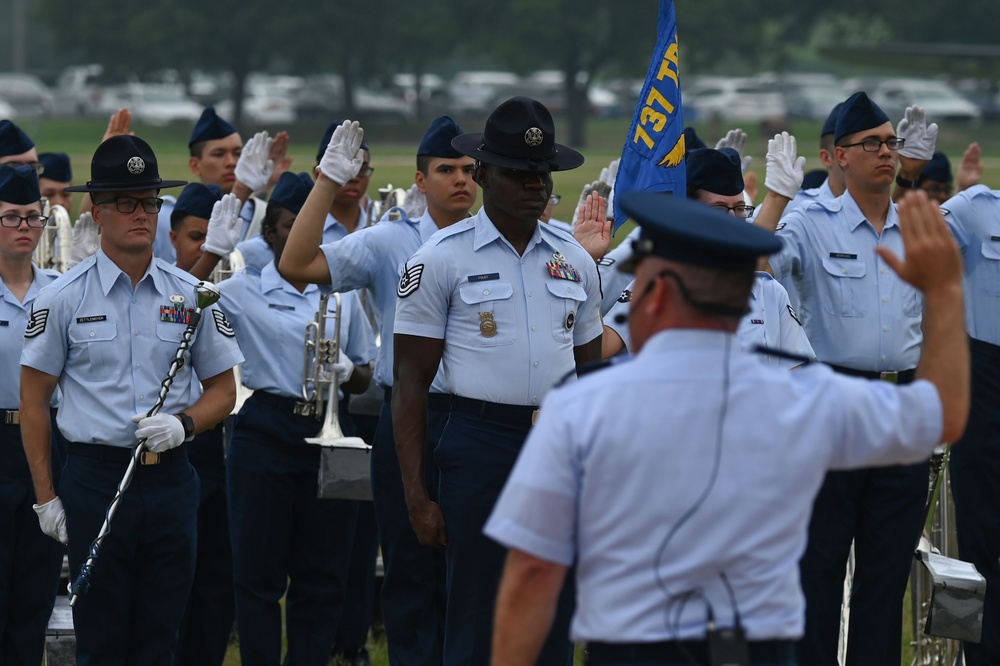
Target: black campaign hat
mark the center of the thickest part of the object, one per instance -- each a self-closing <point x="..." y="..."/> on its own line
<point x="519" y="134"/>
<point x="124" y="163"/>
<point x="716" y="171"/>
<point x="692" y="233"/>
<point x="19" y="185"/>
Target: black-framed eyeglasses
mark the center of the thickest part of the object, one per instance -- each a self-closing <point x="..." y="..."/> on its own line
<point x="366" y="171"/>
<point x="873" y="145"/>
<point x="554" y="199"/>
<point x="37" y="166"/>
<point x="740" y="210"/>
<point x="129" y="204"/>
<point x="12" y="221"/>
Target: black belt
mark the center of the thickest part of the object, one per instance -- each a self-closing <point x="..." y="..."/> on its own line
<point x="281" y="403"/>
<point x="11" y="417"/>
<point x="436" y="402"/>
<point x="495" y="411"/>
<point x="683" y="651"/>
<point x="986" y="349"/>
<point x="122" y="454"/>
<point x="901" y="377"/>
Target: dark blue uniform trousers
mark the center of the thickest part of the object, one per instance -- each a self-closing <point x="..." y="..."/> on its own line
<point x="413" y="583"/>
<point x="475" y="456"/>
<point x="30" y="561"/>
<point x="284" y="537"/>
<point x="882" y="509"/>
<point x="975" y="485"/>
<point x="140" y="582"/>
<point x="208" y="618"/>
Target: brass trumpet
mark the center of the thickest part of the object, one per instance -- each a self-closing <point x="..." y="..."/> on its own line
<point x="47" y="255"/>
<point x="389" y="197"/>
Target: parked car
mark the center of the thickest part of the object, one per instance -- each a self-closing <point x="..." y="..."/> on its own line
<point x="156" y="104"/>
<point x="26" y="93"/>
<point x="78" y="90"/>
<point x="479" y="92"/>
<point x="725" y="99"/>
<point x="7" y="112"/>
<point x="939" y="101"/>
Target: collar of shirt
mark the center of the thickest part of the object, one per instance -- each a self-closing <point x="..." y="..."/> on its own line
<point x="271" y="280"/>
<point x="332" y="222"/>
<point x="39" y="279"/>
<point x="109" y="273"/>
<point x="856" y="217"/>
<point x="487" y="232"/>
<point x="426" y="226"/>
<point x="689" y="339"/>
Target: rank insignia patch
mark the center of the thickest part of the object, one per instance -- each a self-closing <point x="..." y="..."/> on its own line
<point x="410" y="280"/>
<point x="222" y="324"/>
<point x="36" y="324"/>
<point x="794" y="316"/>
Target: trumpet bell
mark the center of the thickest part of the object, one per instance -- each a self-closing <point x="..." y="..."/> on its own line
<point x="344" y="469"/>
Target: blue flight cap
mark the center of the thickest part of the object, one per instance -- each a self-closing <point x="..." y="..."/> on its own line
<point x="210" y="127"/>
<point x="938" y="169"/>
<point x="858" y="114"/>
<point x="437" y="139"/>
<point x="197" y="199"/>
<point x="57" y="167"/>
<point x="692" y="141"/>
<point x="328" y="134"/>
<point x="19" y="185"/>
<point x="716" y="171"/>
<point x="291" y="191"/>
<point x="692" y="233"/>
<point x="830" y="126"/>
<point x="13" y="140"/>
<point x="814" y="179"/>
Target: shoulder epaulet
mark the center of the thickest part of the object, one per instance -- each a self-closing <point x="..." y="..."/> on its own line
<point x="173" y="270"/>
<point x="561" y="233"/>
<point x="460" y="227"/>
<point x="72" y="274"/>
<point x="829" y="205"/>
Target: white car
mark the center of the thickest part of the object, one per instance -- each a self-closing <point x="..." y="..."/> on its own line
<point x="725" y="99"/>
<point x="152" y="103"/>
<point x="939" y="101"/>
<point x="7" y="112"/>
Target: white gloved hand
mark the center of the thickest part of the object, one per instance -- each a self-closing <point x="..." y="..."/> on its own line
<point x="225" y="227"/>
<point x="52" y="519"/>
<point x="415" y="203"/>
<point x="86" y="239"/>
<point x="254" y="167"/>
<point x="920" y="137"/>
<point x="344" y="368"/>
<point x="737" y="140"/>
<point x="784" y="168"/>
<point x="343" y="156"/>
<point x="162" y="432"/>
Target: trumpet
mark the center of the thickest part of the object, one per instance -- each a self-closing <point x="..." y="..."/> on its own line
<point x="47" y="255"/>
<point x="227" y="268"/>
<point x="389" y="197"/>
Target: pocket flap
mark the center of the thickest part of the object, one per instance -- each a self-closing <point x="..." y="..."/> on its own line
<point x="480" y="292"/>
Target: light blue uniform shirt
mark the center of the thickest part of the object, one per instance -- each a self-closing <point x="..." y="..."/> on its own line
<point x="856" y="311"/>
<point x="613" y="281"/>
<point x="815" y="194"/>
<point x="588" y="490"/>
<point x="373" y="258"/>
<point x="771" y="322"/>
<point x="13" y="321"/>
<point x="270" y="318"/>
<point x="509" y="327"/>
<point x="162" y="245"/>
<point x="111" y="346"/>
<point x="258" y="254"/>
<point x="974" y="218"/>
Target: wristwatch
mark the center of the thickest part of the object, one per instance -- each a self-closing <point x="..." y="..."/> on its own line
<point x="188" y="424"/>
<point x="905" y="182"/>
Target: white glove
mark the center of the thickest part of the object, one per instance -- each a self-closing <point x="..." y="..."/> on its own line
<point x="610" y="173"/>
<point x="162" y="432"/>
<point x="415" y="204"/>
<point x="225" y="227"/>
<point x="784" y="170"/>
<point x="737" y="140"/>
<point x="52" y="519"/>
<point x="343" y="157"/>
<point x="254" y="169"/>
<point x="344" y="368"/>
<point x="86" y="239"/>
<point x="920" y="137"/>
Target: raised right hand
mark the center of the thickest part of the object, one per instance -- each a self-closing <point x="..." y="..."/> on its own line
<point x="224" y="227"/>
<point x="343" y="157"/>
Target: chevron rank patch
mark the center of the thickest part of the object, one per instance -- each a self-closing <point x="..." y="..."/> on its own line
<point x="36" y="324"/>
<point x="410" y="280"/>
<point x="222" y="324"/>
<point x="605" y="261"/>
<point x="794" y="316"/>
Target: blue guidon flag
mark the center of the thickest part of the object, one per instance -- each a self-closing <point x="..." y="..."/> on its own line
<point x="653" y="156"/>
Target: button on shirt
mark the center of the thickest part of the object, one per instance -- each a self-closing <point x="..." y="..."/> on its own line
<point x="974" y="218"/>
<point x="509" y="326"/>
<point x="258" y="254"/>
<point x="270" y="318"/>
<point x="856" y="311"/>
<point x="566" y="501"/>
<point x="13" y="320"/>
<point x="373" y="258"/>
<point x="111" y="346"/>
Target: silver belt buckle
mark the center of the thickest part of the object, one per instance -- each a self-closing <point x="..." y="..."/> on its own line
<point x="12" y="417"/>
<point x="149" y="458"/>
<point x="890" y="376"/>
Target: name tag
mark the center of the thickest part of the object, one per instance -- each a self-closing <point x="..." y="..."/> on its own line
<point x="995" y="238"/>
<point x="87" y="320"/>
<point x="485" y="277"/>
<point x="842" y="255"/>
<point x="277" y="306"/>
<point x="4" y="323"/>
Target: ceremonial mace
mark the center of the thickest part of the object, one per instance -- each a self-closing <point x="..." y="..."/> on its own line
<point x="206" y="294"/>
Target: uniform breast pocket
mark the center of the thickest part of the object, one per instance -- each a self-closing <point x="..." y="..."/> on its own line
<point x="990" y="270"/>
<point x="97" y="345"/>
<point x="567" y="299"/>
<point x="490" y="312"/>
<point x="846" y="294"/>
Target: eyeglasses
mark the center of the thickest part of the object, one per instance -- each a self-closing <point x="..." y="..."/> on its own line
<point x="874" y="145"/>
<point x="740" y="210"/>
<point x="944" y="190"/>
<point x="129" y="204"/>
<point x="14" y="221"/>
<point x="366" y="171"/>
<point x="555" y="199"/>
<point x="37" y="166"/>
